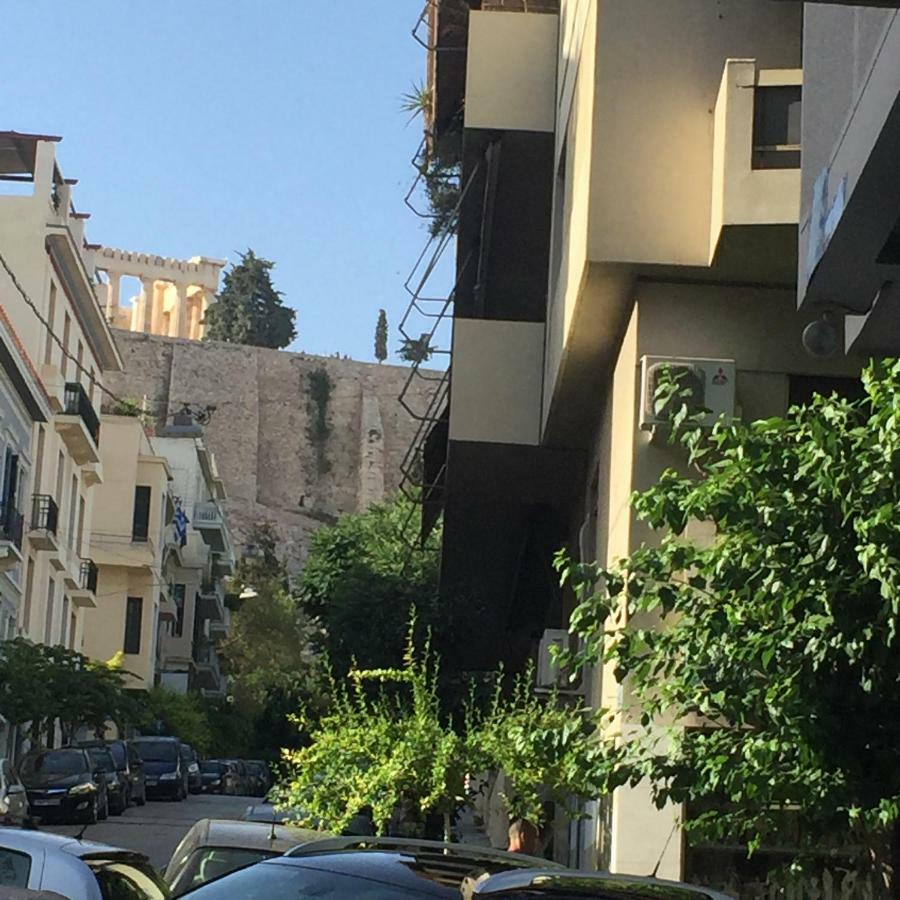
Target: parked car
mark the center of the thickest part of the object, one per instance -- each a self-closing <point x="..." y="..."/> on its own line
<point x="77" y="870"/>
<point x="64" y="785"/>
<point x="217" y="777"/>
<point x="363" y="867"/>
<point x="13" y="797"/>
<point x="214" y="847"/>
<point x="192" y="764"/>
<point x="164" y="773"/>
<point x="116" y="781"/>
<point x="242" y="776"/>
<point x="361" y="825"/>
<point x="261" y="781"/>
<point x="129" y="764"/>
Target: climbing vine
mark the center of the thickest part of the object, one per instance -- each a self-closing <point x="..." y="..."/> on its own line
<point x="319" y="385"/>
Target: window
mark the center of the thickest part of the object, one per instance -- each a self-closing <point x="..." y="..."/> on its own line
<point x="51" y="316"/>
<point x="802" y="388"/>
<point x="140" y="526"/>
<point x="39" y="461"/>
<point x="79" y="360"/>
<point x="64" y="621"/>
<point x="72" y="624"/>
<point x="79" y="538"/>
<point x="29" y="587"/>
<point x="776" y="127"/>
<point x="60" y="474"/>
<point x="178" y="594"/>
<point x="67" y="327"/>
<point x="48" y="617"/>
<point x="9" y="490"/>
<point x="128" y="880"/>
<point x="73" y="508"/>
<point x="134" y="609"/>
<point x="15" y="868"/>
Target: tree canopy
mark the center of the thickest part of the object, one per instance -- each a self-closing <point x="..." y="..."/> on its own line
<point x="381" y="336"/>
<point x="249" y="310"/>
<point x="779" y="648"/>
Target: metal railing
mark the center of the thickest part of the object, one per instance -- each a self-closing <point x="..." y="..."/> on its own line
<point x="44" y="513"/>
<point x="207" y="513"/>
<point x="78" y="403"/>
<point x="12" y="524"/>
<point x="87" y="576"/>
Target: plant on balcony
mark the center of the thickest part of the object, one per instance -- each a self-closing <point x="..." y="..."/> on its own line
<point x="416" y="101"/>
<point x="784" y="631"/>
<point x="249" y="310"/>
<point x="440" y="166"/>
<point x="416" y="350"/>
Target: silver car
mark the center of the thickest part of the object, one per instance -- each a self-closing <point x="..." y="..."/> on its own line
<point x="13" y="797"/>
<point x="79" y="870"/>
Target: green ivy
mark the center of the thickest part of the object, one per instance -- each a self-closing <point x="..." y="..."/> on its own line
<point x="319" y="385"/>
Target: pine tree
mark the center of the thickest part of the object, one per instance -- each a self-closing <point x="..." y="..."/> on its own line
<point x="249" y="310"/>
<point x="381" y="337"/>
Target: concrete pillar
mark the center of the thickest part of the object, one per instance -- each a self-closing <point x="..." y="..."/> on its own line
<point x="179" y="312"/>
<point x="195" y="306"/>
<point x="158" y="308"/>
<point x="112" y="295"/>
<point x="145" y="307"/>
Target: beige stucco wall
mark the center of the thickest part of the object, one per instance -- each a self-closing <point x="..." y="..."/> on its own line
<point x="495" y="391"/>
<point x="511" y="71"/>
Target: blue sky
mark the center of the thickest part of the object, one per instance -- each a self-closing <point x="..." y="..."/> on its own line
<point x="208" y="126"/>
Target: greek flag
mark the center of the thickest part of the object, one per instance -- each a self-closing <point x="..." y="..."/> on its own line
<point x="181" y="524"/>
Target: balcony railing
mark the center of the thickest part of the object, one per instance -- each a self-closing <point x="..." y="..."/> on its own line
<point x="44" y="513"/>
<point x="207" y="514"/>
<point x="87" y="577"/>
<point x="77" y="403"/>
<point x="12" y="524"/>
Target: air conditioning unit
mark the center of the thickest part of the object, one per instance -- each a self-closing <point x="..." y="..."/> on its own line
<point x="709" y="381"/>
<point x="549" y="673"/>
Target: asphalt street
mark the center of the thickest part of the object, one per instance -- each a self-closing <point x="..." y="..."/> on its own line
<point x="156" y="829"/>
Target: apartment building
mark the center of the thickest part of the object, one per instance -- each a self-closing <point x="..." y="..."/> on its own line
<point x="629" y="194"/>
<point x="849" y="258"/>
<point x="63" y="347"/>
<point x="130" y="551"/>
<point x="203" y="561"/>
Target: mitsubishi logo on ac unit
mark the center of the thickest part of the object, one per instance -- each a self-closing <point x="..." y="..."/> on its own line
<point x="707" y="383"/>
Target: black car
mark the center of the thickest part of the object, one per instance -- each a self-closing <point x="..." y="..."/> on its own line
<point x="164" y="773"/>
<point x="191" y="765"/>
<point x="64" y="785"/>
<point x="217" y="777"/>
<point x="129" y="765"/>
<point x="116" y="782"/>
<point x="259" y="772"/>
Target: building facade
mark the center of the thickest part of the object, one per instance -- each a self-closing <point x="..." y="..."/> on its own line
<point x="629" y="194"/>
<point x="50" y="313"/>
<point x="202" y="562"/>
<point x="130" y="536"/>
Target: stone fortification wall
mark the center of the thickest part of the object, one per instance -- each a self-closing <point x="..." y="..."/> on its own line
<point x="293" y="448"/>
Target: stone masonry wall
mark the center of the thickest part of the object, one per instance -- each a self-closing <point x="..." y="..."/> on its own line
<point x="276" y="463"/>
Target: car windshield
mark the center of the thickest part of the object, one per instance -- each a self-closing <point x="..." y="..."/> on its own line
<point x="128" y="881"/>
<point x="101" y="758"/>
<point x="208" y="863"/>
<point x="261" y="882"/>
<point x="212" y="768"/>
<point x="157" y="751"/>
<point x="118" y="754"/>
<point x="54" y="762"/>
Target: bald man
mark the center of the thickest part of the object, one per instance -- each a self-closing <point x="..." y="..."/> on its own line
<point x="523" y="837"/>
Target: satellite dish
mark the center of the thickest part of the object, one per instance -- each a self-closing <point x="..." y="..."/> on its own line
<point x="822" y="338"/>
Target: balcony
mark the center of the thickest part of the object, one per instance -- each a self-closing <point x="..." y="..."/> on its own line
<point x="79" y="426"/>
<point x="85" y="593"/>
<point x="208" y="520"/>
<point x="44" y="523"/>
<point x="211" y="601"/>
<point x="207" y="675"/>
<point x="756" y="149"/>
<point x="12" y="524"/>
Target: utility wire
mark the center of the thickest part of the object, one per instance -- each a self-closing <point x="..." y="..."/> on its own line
<point x="50" y="331"/>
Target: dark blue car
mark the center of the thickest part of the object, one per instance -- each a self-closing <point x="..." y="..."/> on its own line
<point x="164" y="770"/>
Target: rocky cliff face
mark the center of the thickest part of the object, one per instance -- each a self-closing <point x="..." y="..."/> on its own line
<point x="298" y="439"/>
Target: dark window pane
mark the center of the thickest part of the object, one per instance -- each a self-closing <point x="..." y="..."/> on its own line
<point x="776" y="127"/>
<point x="133" y="614"/>
<point x="14" y="868"/>
<point x="179" y="607"/>
<point x="141" y="523"/>
<point x="802" y="388"/>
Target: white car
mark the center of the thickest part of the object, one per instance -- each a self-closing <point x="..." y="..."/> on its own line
<point x="78" y="870"/>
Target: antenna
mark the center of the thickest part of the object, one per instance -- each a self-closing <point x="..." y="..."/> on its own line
<point x="665" y="847"/>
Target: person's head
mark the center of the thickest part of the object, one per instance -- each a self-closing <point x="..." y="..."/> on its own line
<point x="523" y="837"/>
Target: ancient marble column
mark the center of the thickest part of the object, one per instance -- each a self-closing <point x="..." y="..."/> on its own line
<point x="145" y="307"/>
<point x="112" y="295"/>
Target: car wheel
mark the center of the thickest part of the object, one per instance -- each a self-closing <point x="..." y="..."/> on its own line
<point x="104" y="808"/>
<point x="120" y="805"/>
<point x="92" y="816"/>
<point x="142" y="797"/>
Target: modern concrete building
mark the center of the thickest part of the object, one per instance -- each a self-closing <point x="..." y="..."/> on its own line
<point x="174" y="297"/>
<point x="630" y="194"/>
<point x="203" y="558"/>
<point x="132" y="511"/>
<point x="849" y="259"/>
<point x="63" y="346"/>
